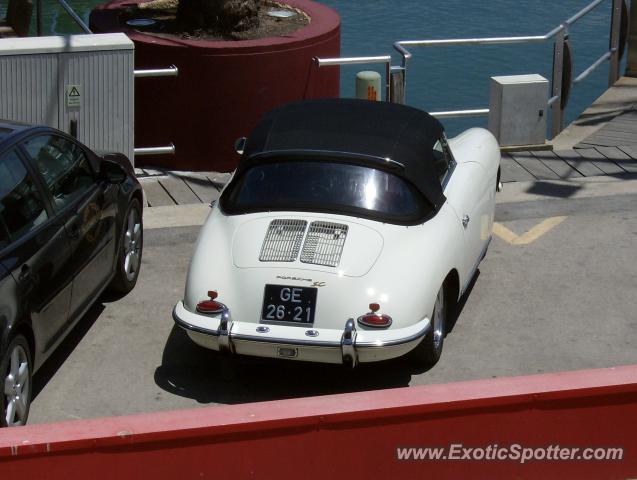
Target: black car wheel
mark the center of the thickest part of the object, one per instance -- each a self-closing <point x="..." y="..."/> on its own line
<point x="16" y="368"/>
<point x="129" y="257"/>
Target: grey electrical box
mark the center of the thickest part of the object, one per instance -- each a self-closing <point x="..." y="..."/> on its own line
<point x="80" y="84"/>
<point x="517" y="109"/>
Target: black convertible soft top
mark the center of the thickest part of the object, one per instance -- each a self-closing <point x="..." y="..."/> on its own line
<point x="375" y="134"/>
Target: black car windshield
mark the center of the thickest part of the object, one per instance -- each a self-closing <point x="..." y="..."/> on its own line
<point x="326" y="186"/>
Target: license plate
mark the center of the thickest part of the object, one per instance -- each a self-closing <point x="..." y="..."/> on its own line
<point x="282" y="303"/>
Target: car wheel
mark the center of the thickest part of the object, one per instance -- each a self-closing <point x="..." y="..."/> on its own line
<point x="428" y="351"/>
<point x="129" y="256"/>
<point x="16" y="367"/>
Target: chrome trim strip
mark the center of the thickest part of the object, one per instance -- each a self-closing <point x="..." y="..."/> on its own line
<point x="334" y="153"/>
<point x="348" y="343"/>
<point x="225" y="327"/>
<point x="284" y="341"/>
<point x="187" y="326"/>
<point x="392" y="343"/>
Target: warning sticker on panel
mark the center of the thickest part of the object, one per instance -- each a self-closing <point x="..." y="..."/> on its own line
<point x="73" y="95"/>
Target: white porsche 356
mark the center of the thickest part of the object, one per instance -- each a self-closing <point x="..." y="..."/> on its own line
<point x="348" y="233"/>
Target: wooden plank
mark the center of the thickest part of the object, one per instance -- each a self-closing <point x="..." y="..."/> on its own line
<point x="579" y="163"/>
<point x="179" y="191"/>
<point x="534" y="166"/>
<point x="601" y="142"/>
<point x="630" y="150"/>
<point x="620" y="127"/>
<point x="156" y="195"/>
<point x="600" y="161"/>
<point x="511" y="171"/>
<point x="619" y="157"/>
<point x="219" y="178"/>
<point x="555" y="163"/>
<point x="203" y="188"/>
<point x="626" y="137"/>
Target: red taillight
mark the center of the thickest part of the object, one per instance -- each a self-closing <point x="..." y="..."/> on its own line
<point x="373" y="319"/>
<point x="211" y="306"/>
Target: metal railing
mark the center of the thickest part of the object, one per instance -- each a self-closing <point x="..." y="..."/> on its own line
<point x="384" y="59"/>
<point x="397" y="84"/>
<point x="76" y="18"/>
<point x="169" y="150"/>
<point x="171" y="71"/>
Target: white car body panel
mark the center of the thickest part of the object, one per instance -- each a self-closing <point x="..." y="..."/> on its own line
<point x="399" y="267"/>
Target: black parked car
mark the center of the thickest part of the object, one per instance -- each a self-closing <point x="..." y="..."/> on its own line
<point x="70" y="227"/>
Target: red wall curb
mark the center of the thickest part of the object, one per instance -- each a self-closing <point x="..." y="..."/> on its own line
<point x="349" y="434"/>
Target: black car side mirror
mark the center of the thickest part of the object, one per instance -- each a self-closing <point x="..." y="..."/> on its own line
<point x="240" y="145"/>
<point x="112" y="171"/>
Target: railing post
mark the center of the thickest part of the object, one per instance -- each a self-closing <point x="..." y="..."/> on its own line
<point x="397" y="85"/>
<point x="631" y="63"/>
<point x="556" y="84"/>
<point x="38" y="18"/>
<point x="615" y="24"/>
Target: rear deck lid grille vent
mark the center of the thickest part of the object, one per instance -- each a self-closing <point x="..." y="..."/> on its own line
<point x="324" y="243"/>
<point x="283" y="241"/>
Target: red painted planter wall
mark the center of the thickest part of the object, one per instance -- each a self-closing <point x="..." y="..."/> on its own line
<point x="223" y="87"/>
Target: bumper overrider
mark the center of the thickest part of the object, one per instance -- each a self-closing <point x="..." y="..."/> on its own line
<point x="348" y="346"/>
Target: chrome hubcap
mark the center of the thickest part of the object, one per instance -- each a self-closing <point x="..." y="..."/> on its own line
<point x="17" y="388"/>
<point x="439" y="318"/>
<point x="132" y="245"/>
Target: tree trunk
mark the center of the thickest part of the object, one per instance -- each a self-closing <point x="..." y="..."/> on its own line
<point x="222" y="16"/>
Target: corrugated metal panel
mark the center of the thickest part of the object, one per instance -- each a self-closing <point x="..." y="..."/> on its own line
<point x="105" y="115"/>
<point x="28" y="89"/>
<point x="33" y="86"/>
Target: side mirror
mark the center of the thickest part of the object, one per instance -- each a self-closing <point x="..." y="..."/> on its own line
<point x="112" y="171"/>
<point x="240" y="144"/>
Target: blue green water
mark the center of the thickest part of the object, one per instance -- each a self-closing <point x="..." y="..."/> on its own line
<point x="449" y="78"/>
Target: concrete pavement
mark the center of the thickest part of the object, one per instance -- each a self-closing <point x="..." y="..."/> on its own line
<point x="565" y="301"/>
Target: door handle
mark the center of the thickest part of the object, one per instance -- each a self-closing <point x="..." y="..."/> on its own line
<point x="27" y="277"/>
<point x="25" y="274"/>
<point x="74" y="228"/>
<point x="465" y="220"/>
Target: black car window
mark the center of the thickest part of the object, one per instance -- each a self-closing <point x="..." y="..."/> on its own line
<point x="21" y="205"/>
<point x="441" y="159"/>
<point x="325" y="186"/>
<point x="63" y="165"/>
<point x="4" y="236"/>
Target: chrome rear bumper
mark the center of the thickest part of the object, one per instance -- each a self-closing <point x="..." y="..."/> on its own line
<point x="347" y="346"/>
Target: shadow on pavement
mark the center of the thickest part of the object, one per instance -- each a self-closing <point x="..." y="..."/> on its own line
<point x="194" y="372"/>
<point x="64" y="350"/>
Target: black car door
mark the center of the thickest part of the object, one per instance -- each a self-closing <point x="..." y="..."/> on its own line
<point x="37" y="253"/>
<point x="85" y="206"/>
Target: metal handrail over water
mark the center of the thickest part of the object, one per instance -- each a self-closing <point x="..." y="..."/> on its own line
<point x="396" y="86"/>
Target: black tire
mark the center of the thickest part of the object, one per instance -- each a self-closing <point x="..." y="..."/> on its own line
<point x="19" y="397"/>
<point x="126" y="277"/>
<point x="428" y="351"/>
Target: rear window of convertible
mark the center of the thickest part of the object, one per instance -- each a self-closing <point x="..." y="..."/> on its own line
<point x="327" y="187"/>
